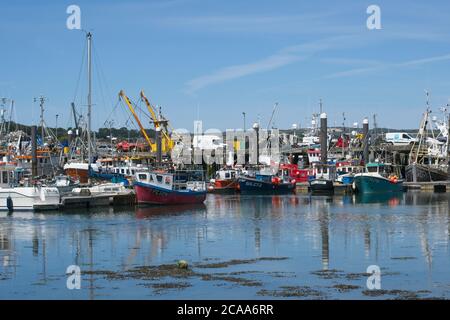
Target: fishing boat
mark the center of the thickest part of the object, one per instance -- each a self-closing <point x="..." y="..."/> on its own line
<point x="170" y="188"/>
<point x="80" y="170"/>
<point x="265" y="182"/>
<point x="324" y="174"/>
<point x="428" y="158"/>
<point x="225" y="181"/>
<point x="104" y="189"/>
<point x="346" y="171"/>
<point x="417" y="172"/>
<point x="14" y="197"/>
<point x="378" y="178"/>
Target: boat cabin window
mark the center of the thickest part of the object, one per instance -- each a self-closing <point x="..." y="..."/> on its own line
<point x="143" y="176"/>
<point x="227" y="175"/>
<point x="372" y="169"/>
<point x="159" y="178"/>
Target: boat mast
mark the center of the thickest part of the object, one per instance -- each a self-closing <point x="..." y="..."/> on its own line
<point x="89" y="97"/>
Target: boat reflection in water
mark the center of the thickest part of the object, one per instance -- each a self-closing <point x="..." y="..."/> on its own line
<point x="392" y="198"/>
<point x="145" y="212"/>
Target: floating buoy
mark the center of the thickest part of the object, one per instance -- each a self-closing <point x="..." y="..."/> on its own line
<point x="9" y="204"/>
<point x="182" y="264"/>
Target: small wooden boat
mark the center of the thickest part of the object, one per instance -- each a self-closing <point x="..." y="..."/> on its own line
<point x="321" y="186"/>
<point x="225" y="181"/>
<point x="324" y="176"/>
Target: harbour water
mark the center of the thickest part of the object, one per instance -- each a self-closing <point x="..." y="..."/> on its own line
<point x="237" y="247"/>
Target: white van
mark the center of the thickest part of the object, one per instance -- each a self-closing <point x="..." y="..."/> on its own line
<point x="400" y="138"/>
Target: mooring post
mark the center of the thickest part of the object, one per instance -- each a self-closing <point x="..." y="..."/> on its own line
<point x="256" y="128"/>
<point x="158" y="146"/>
<point x="366" y="140"/>
<point x="323" y="138"/>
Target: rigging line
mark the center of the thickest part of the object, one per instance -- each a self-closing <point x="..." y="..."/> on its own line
<point x="80" y="71"/>
<point x="100" y="68"/>
<point x="113" y="110"/>
<point x="100" y="84"/>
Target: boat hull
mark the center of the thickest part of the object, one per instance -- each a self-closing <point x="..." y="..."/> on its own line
<point x="372" y="184"/>
<point x="321" y="187"/>
<point x="223" y="186"/>
<point x="423" y="173"/>
<point x="29" y="198"/>
<point x="148" y="194"/>
<point x="254" y="186"/>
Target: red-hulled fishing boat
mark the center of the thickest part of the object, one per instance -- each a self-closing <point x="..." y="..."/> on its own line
<point x="225" y="181"/>
<point x="170" y="188"/>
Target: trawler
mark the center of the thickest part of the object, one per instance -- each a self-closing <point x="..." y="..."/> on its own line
<point x="169" y="187"/>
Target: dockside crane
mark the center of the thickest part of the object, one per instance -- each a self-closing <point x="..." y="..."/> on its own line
<point x="159" y="121"/>
<point x="123" y="97"/>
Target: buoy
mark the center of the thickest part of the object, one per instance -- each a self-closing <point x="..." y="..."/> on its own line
<point x="182" y="264"/>
<point x="9" y="204"/>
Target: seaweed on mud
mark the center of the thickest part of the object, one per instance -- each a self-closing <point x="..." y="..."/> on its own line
<point x="345" y="287"/>
<point x="237" y="280"/>
<point x="292" y="291"/>
<point x="161" y="271"/>
<point x="164" y="286"/>
<point x="357" y="276"/>
<point x="225" y="264"/>
<point x="108" y="274"/>
<point x="328" y="274"/>
<point x="399" y="294"/>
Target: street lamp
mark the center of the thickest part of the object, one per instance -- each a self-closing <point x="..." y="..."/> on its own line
<point x="243" y="113"/>
<point x="294" y="127"/>
<point x="56" y="131"/>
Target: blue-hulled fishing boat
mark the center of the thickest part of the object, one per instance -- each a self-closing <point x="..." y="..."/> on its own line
<point x="378" y="178"/>
<point x="266" y="183"/>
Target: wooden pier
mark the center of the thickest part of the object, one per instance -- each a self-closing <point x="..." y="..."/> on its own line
<point x="436" y="186"/>
<point x="339" y="188"/>
<point x="100" y="200"/>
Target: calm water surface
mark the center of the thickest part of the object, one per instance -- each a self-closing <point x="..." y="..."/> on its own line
<point x="312" y="247"/>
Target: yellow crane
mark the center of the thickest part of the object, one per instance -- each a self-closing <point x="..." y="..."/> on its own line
<point x="167" y="142"/>
<point x="123" y="96"/>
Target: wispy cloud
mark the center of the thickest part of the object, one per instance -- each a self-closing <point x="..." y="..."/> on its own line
<point x="382" y="66"/>
<point x="308" y="23"/>
<point x="272" y="62"/>
<point x="284" y="57"/>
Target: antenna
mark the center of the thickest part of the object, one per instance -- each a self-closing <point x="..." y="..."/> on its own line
<point x="41" y="99"/>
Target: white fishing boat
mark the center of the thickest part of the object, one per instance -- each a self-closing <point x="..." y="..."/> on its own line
<point x="105" y="189"/>
<point x="13" y="197"/>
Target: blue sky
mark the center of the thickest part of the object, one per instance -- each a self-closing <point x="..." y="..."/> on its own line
<point x="217" y="59"/>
